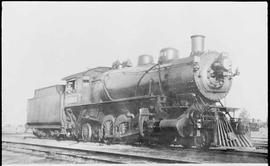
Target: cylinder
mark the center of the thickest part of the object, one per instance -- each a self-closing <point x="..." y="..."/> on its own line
<point x="168" y="123"/>
<point x="175" y="124"/>
<point x="197" y="43"/>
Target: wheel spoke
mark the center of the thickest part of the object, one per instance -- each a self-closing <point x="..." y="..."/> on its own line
<point x="108" y="128"/>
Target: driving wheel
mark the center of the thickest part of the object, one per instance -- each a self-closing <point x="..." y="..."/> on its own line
<point x="107" y="128"/>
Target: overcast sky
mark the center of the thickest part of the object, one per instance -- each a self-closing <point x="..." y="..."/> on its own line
<point x="44" y="42"/>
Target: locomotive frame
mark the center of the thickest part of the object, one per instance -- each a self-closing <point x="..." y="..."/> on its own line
<point x="176" y="101"/>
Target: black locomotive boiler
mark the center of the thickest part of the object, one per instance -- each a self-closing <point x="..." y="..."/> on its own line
<point x="174" y="101"/>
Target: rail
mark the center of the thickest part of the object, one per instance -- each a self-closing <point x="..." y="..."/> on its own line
<point x="116" y="153"/>
<point x="92" y="155"/>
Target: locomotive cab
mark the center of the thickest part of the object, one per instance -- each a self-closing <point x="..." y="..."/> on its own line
<point x="79" y="86"/>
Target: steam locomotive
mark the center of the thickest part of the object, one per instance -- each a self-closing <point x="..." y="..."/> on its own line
<point x="174" y="101"/>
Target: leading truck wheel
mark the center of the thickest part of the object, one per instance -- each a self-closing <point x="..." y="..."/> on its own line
<point x="204" y="141"/>
<point x="186" y="142"/>
<point x="87" y="132"/>
<point x="167" y="139"/>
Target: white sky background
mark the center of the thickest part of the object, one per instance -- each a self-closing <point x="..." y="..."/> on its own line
<point x="44" y="42"/>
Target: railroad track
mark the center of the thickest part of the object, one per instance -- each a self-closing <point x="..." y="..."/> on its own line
<point x="260" y="142"/>
<point x="94" y="152"/>
<point x="82" y="156"/>
<point x="219" y="151"/>
<point x="258" y="145"/>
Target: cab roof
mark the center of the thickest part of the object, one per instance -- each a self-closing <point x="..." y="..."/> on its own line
<point x="81" y="74"/>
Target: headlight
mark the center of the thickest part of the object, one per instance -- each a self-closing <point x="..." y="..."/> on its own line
<point x="227" y="63"/>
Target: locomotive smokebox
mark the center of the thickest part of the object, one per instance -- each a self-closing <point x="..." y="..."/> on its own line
<point x="197" y="43"/>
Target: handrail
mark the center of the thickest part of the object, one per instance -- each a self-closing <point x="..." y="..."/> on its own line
<point x="159" y="81"/>
<point x="142" y="77"/>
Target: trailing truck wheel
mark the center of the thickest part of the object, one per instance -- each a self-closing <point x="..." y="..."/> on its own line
<point x="87" y="132"/>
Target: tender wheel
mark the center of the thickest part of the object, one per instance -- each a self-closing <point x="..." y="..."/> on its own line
<point x="87" y="132"/>
<point x="36" y="132"/>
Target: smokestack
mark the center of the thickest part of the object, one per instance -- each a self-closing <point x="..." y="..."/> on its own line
<point x="197" y="43"/>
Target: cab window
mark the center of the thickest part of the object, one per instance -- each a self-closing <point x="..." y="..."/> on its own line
<point x="70" y="87"/>
<point x="86" y="81"/>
